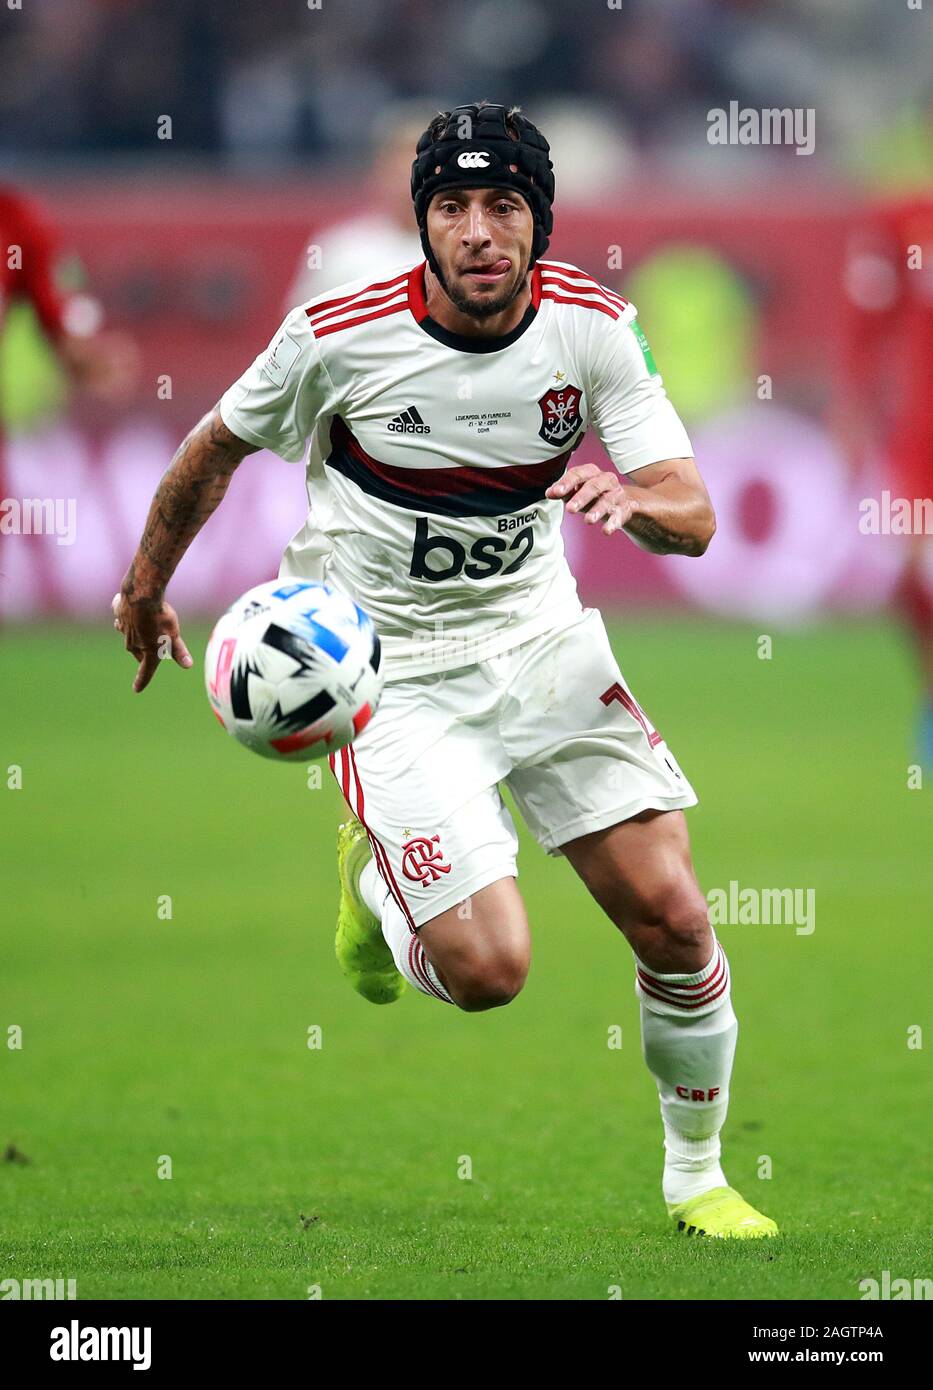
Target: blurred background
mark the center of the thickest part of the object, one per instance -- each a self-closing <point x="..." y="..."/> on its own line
<point x="197" y="169"/>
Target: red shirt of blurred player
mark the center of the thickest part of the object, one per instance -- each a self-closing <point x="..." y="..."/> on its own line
<point x="27" y="256"/>
<point x="105" y="364"/>
<point x="889" y="344"/>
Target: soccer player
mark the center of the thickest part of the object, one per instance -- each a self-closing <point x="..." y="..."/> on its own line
<point x="444" y="403"/>
<point x="886" y="402"/>
<point x="103" y="363"/>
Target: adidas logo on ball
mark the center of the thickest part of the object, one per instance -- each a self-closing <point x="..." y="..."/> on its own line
<point x="409" y="422"/>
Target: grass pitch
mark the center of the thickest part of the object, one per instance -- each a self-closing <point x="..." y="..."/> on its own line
<point x="338" y="1168"/>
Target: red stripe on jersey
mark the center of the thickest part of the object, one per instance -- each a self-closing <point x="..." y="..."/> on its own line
<point x="416" y="300"/>
<point x="329" y="306"/>
<point x="355" y="322"/>
<point x="577" y="280"/>
<point x="426" y="482"/>
<point x="536" y="286"/>
<point x="602" y="306"/>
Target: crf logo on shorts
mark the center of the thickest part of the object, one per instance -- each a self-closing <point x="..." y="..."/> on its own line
<point x="421" y="862"/>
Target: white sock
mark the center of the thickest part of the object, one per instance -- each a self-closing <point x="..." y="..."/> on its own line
<point x="407" y="951"/>
<point x="372" y="889"/>
<point x="689" y="1033"/>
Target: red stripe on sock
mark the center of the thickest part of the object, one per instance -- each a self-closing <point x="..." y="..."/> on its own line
<point x="418" y="963"/>
<point x="685" y="996"/>
<point x="698" y="1004"/>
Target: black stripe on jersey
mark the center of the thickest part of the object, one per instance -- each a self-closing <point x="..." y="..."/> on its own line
<point x="465" y="491"/>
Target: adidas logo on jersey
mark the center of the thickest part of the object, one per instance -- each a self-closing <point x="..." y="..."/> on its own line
<point x="409" y="422"/>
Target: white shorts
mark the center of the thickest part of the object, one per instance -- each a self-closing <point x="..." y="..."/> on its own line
<point x="553" y="719"/>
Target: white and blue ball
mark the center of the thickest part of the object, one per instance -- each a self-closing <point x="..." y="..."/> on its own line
<point x="293" y="670"/>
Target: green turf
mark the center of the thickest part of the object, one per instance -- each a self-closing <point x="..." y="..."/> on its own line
<point x="338" y="1167"/>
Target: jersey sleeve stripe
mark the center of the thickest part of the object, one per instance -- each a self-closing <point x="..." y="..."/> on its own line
<point x="395" y="306"/>
<point x="380" y="289"/>
<point x="574" y="273"/>
<point x="600" y="305"/>
<point x="583" y="284"/>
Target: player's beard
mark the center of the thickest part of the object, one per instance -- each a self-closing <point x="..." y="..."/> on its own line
<point x="484" y="308"/>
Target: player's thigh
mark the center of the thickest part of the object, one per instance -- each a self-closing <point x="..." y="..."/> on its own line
<point x="585" y="755"/>
<point x="595" y="781"/>
<point x="641" y="873"/>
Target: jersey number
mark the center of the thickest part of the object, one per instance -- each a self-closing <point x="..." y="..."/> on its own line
<point x="486" y="554"/>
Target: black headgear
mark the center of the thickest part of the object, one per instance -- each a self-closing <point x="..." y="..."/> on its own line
<point x="475" y="150"/>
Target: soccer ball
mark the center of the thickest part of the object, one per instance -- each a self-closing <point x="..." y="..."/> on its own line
<point x="293" y="670"/>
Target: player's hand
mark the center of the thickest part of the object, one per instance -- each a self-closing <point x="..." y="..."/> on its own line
<point x="150" y="633"/>
<point x="106" y="365"/>
<point x="599" y="495"/>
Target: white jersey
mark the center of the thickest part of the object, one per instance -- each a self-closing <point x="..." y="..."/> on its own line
<point x="431" y="452"/>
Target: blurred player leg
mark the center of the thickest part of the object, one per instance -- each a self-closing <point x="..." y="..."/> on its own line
<point x="914" y="600"/>
<point x="911" y="464"/>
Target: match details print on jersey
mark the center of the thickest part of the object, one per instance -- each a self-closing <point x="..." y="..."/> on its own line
<point x="430" y="453"/>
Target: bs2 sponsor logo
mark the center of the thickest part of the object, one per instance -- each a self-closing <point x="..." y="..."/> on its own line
<point x="488" y="555"/>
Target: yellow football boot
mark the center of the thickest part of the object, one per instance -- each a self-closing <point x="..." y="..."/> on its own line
<point x="721" y="1212"/>
<point x="362" y="952"/>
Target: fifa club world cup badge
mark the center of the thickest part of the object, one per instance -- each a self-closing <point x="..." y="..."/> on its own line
<point x="421" y="861"/>
<point x="560" y="414"/>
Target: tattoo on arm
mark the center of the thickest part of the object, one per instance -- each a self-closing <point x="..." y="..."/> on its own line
<point x="192" y="487"/>
<point x="660" y="539"/>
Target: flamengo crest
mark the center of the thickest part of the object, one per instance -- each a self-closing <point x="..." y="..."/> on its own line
<point x="421" y="861"/>
<point x="560" y="414"/>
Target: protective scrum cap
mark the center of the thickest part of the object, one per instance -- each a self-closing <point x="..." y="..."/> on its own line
<point x="475" y="150"/>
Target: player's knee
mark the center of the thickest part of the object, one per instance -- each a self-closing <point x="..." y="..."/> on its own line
<point x="490" y="981"/>
<point x="677" y="914"/>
